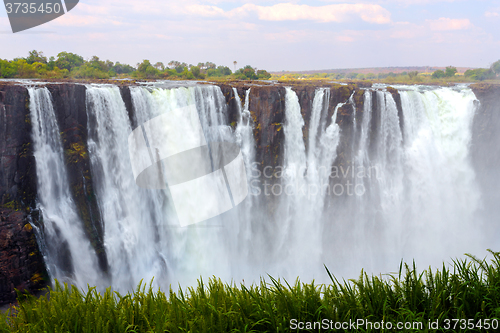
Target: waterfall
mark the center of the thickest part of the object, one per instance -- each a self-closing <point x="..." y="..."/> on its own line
<point x="68" y="254"/>
<point x="403" y="188"/>
<point x="246" y="141"/>
<point x="305" y="185"/>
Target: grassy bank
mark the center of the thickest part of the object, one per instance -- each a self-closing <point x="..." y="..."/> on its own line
<point x="469" y="290"/>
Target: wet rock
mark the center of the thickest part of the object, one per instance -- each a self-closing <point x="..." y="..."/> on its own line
<point x="21" y="263"/>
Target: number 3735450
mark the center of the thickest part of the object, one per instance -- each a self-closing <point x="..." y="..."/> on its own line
<point x="33" y="8"/>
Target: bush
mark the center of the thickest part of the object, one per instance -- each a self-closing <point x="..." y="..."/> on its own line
<point x="468" y="291"/>
<point x="480" y="74"/>
<point x="439" y="74"/>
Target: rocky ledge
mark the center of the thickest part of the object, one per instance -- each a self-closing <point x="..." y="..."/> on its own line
<point x="21" y="263"/>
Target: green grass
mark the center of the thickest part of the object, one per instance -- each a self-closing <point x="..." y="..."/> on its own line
<point x="470" y="289"/>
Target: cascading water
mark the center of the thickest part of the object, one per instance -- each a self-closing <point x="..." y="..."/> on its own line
<point x="68" y="254"/>
<point x="419" y="195"/>
<point x="413" y="189"/>
<point x="304" y="186"/>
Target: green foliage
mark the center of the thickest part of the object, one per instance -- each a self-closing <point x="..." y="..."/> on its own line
<point x="195" y="70"/>
<point x="263" y="74"/>
<point x="220" y="71"/>
<point x="469" y="290"/>
<point x="439" y="74"/>
<point x="88" y="71"/>
<point x="352" y="75"/>
<point x="480" y="74"/>
<point x="122" y="68"/>
<point x="146" y="70"/>
<point x="246" y="73"/>
<point x="413" y="74"/>
<point x="72" y="65"/>
<point x="68" y="61"/>
<point x="7" y="69"/>
<point x="450" y="71"/>
<point x="495" y="67"/>
<point x="35" y="56"/>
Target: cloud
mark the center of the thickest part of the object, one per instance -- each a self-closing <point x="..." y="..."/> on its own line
<point x="491" y="14"/>
<point x="447" y="24"/>
<point x="205" y="11"/>
<point x="330" y="13"/>
<point x="343" y="38"/>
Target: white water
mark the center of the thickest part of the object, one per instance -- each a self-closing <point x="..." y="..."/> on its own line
<point x="419" y="195"/>
<point x="61" y="224"/>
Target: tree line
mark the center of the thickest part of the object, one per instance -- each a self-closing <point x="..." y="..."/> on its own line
<point x="71" y="65"/>
<point x="410" y="77"/>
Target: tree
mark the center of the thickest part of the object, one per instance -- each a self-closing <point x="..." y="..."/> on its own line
<point x="495" y="67"/>
<point x="123" y="68"/>
<point x="160" y="66"/>
<point x="224" y="71"/>
<point x="24" y="69"/>
<point x="109" y="65"/>
<point x="369" y="76"/>
<point x="147" y="70"/>
<point x="439" y="74"/>
<point x="7" y="69"/>
<point x="35" y="56"/>
<point x="98" y="64"/>
<point x="52" y="63"/>
<point x="69" y="61"/>
<point x="263" y="74"/>
<point x="210" y="65"/>
<point x="174" y="64"/>
<point x="413" y="74"/>
<point x="196" y="71"/>
<point x="450" y="71"/>
<point x="352" y="75"/>
<point x="480" y="74"/>
<point x="249" y="73"/>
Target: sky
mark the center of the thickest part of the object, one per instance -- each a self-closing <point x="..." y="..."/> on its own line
<point x="271" y="35"/>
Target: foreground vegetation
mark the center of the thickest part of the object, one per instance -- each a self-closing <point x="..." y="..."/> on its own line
<point x="70" y="65"/>
<point x="470" y="291"/>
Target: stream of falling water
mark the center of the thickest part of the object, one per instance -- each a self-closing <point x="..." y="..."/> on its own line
<point x="418" y="196"/>
<point x="68" y="253"/>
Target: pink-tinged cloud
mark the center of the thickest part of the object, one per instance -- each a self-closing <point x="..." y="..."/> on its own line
<point x="330" y="13"/>
<point x="347" y="39"/>
<point x="447" y="24"/>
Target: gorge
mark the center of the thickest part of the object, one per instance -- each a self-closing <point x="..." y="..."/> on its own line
<point x="348" y="176"/>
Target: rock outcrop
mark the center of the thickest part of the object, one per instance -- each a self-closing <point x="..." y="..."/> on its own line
<point x="485" y="150"/>
<point x="17" y="171"/>
<point x="21" y="264"/>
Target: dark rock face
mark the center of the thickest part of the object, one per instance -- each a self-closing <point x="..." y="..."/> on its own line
<point x="21" y="264"/>
<point x="127" y="99"/>
<point x="485" y="150"/>
<point x="17" y="172"/>
<point x="70" y="109"/>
